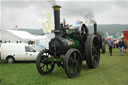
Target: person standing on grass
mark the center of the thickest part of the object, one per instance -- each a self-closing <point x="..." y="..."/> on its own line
<point x="125" y="44"/>
<point x="127" y="47"/>
<point x="121" y="46"/>
<point x="110" y="45"/>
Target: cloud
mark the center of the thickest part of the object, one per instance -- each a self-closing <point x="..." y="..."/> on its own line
<point x="122" y="4"/>
<point x="25" y="14"/>
<point x="105" y="12"/>
<point x="32" y="13"/>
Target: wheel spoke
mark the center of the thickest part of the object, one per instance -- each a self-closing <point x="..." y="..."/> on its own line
<point x="71" y="59"/>
<point x="94" y="61"/>
<point x="47" y="69"/>
<point x="71" y="68"/>
<point x="74" y="56"/>
<point x="49" y="66"/>
<point x="42" y="66"/>
<point x="74" y="68"/>
<point x="95" y="54"/>
<point x="94" y="48"/>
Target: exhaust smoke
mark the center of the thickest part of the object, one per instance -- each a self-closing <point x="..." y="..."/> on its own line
<point x="52" y="2"/>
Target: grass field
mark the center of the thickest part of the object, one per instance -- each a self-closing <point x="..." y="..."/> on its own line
<point x="113" y="70"/>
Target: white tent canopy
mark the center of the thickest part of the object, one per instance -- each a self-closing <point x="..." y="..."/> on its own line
<point x="14" y="35"/>
<point x="23" y="35"/>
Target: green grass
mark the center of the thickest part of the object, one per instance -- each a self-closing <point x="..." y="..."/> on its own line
<point x="113" y="70"/>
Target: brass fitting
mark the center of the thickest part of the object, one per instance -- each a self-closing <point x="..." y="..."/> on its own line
<point x="56" y="7"/>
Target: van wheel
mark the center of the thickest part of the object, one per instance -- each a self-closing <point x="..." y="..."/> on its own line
<point x="10" y="60"/>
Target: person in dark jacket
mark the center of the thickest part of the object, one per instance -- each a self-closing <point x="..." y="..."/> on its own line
<point x="110" y="45"/>
<point x="121" y="46"/>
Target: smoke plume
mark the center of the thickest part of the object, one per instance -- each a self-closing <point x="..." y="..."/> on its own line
<point x="79" y="10"/>
<point x="52" y="2"/>
<point x="89" y="18"/>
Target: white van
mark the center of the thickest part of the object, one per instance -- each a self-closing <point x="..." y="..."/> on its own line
<point x="12" y="52"/>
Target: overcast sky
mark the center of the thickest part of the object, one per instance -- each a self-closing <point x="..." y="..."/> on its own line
<point x="33" y="13"/>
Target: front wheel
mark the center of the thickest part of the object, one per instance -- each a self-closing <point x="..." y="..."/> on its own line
<point x="44" y="66"/>
<point x="72" y="63"/>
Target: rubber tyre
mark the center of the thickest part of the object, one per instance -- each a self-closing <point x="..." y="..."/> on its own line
<point x="89" y="51"/>
<point x="10" y="60"/>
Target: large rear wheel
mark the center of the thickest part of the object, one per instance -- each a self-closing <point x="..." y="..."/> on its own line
<point x="72" y="63"/>
<point x="103" y="48"/>
<point x="92" y="51"/>
<point x="44" y="66"/>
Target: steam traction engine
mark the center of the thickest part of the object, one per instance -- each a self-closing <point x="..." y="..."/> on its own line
<point x="69" y="48"/>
